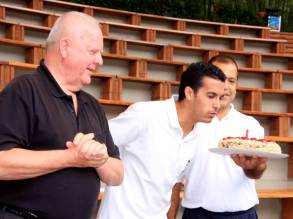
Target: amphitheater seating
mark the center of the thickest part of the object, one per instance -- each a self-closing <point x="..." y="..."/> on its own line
<point x="146" y="54"/>
<point x="283" y="35"/>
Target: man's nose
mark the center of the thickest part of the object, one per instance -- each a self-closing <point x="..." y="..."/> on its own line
<point x="217" y="103"/>
<point x="99" y="59"/>
<point x="226" y="85"/>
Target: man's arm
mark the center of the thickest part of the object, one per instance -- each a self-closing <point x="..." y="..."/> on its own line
<point x="175" y="201"/>
<point x="253" y="167"/>
<point x="18" y="163"/>
<point x="111" y="172"/>
<point x="109" y="169"/>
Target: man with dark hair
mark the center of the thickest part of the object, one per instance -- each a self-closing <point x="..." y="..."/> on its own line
<point x="216" y="186"/>
<point x="55" y="144"/>
<point x="155" y="140"/>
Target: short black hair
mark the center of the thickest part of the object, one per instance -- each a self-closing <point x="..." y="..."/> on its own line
<point x="223" y="59"/>
<point x="194" y="74"/>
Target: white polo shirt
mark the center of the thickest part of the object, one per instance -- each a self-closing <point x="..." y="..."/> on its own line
<point x="214" y="182"/>
<point x="154" y="155"/>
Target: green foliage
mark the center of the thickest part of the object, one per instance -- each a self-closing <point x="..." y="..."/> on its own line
<point x="238" y="13"/>
<point x="228" y="11"/>
<point x="262" y="5"/>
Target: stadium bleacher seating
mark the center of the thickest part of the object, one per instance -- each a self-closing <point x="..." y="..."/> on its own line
<point x="146" y="54"/>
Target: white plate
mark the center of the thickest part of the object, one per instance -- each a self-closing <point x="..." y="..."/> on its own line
<point x="229" y="151"/>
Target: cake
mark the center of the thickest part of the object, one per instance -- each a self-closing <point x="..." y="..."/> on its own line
<point x="250" y="144"/>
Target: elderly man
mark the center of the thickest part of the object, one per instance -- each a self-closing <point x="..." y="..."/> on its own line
<point x="55" y="143"/>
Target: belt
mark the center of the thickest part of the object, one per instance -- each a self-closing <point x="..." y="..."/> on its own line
<point x="18" y="211"/>
<point x="222" y="214"/>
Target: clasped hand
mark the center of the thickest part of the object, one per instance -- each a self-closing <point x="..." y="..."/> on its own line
<point x="86" y="152"/>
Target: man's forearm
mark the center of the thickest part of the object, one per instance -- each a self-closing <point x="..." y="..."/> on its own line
<point x="175" y="201"/>
<point x="17" y="163"/>
<point x="112" y="172"/>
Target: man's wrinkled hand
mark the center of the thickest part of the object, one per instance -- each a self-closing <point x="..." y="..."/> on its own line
<point x="87" y="152"/>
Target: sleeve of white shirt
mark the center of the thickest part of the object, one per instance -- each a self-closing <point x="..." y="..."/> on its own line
<point x="185" y="173"/>
<point x="125" y="127"/>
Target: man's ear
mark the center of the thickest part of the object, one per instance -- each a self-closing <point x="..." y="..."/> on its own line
<point x="189" y="93"/>
<point x="64" y="44"/>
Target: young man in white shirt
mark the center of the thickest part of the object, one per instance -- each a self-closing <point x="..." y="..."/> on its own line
<point x="216" y="186"/>
<point x="155" y="139"/>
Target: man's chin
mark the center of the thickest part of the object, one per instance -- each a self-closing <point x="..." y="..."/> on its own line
<point x="207" y="120"/>
<point x="87" y="81"/>
<point x="225" y="104"/>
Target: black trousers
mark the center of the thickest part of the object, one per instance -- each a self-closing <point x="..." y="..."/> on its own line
<point x="200" y="213"/>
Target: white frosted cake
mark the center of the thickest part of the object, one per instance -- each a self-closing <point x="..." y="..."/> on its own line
<point x="250" y="144"/>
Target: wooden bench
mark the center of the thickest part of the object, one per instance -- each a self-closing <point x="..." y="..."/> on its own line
<point x="138" y="67"/>
<point x="147" y="20"/>
<point x="26" y="15"/>
<point x="207" y="41"/>
<point x="154" y="52"/>
<point x="164" y="22"/>
<point x="193" y="39"/>
<point x="20" y="51"/>
<point x="287" y="36"/>
<point x="174" y="53"/>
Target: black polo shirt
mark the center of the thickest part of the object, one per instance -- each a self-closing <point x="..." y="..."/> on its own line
<point x="37" y="115"/>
